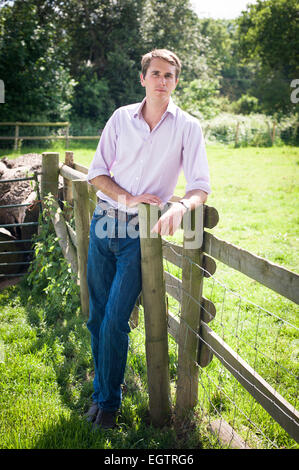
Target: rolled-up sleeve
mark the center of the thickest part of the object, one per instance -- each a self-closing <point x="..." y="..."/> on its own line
<point x="195" y="162"/>
<point x="106" y="150"/>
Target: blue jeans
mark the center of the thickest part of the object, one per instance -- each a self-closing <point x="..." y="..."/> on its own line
<point x="114" y="282"/>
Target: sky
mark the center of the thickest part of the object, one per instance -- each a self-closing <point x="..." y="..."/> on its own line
<point x="224" y="9"/>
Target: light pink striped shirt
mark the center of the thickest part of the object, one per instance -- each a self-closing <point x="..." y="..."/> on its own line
<point x="143" y="161"/>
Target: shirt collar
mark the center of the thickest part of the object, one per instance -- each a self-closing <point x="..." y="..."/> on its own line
<point x="171" y="108"/>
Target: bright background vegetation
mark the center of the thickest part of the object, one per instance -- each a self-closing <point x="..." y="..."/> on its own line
<point x="79" y="60"/>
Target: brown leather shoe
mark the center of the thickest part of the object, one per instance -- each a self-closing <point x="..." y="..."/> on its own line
<point x="92" y="413"/>
<point x="105" y="419"/>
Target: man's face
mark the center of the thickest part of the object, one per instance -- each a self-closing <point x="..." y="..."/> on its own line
<point x="159" y="80"/>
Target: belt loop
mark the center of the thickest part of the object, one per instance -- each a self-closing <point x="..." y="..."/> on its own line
<point x="111" y="212"/>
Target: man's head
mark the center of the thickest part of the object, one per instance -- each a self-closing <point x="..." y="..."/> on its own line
<point x="163" y="54"/>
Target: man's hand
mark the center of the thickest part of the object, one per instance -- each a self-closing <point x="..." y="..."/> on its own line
<point x="105" y="184"/>
<point x="170" y="221"/>
<point x="146" y="198"/>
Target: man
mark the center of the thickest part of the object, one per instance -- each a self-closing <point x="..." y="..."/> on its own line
<point x="145" y="146"/>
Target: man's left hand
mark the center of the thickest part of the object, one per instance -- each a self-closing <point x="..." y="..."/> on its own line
<point x="170" y="221"/>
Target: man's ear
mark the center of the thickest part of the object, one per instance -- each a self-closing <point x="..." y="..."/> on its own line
<point x="142" y="80"/>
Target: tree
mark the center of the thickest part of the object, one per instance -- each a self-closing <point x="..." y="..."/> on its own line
<point x="105" y="37"/>
<point x="108" y="38"/>
<point x="268" y="33"/>
<point x="199" y="98"/>
<point x="80" y="59"/>
<point x="32" y="53"/>
<point x="172" y="24"/>
<point x="223" y="58"/>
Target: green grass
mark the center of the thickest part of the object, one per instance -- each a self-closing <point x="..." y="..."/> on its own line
<point x="46" y="378"/>
<point x="46" y="384"/>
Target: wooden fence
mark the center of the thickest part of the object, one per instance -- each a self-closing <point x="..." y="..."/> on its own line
<point x="18" y="139"/>
<point x="197" y="342"/>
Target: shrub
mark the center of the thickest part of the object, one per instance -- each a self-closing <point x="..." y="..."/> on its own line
<point x="246" y="105"/>
<point x="254" y="130"/>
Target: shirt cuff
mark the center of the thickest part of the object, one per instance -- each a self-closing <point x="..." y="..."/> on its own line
<point x="97" y="172"/>
<point x="198" y="185"/>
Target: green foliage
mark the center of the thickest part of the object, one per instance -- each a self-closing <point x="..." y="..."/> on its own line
<point x="269" y="30"/>
<point x="79" y="60"/>
<point x="104" y="37"/>
<point x="50" y="277"/>
<point x="246" y="105"/>
<point x="254" y="130"/>
<point x="37" y="84"/>
<point x="199" y="98"/>
<point x="289" y="129"/>
<point x="268" y="33"/>
<point x="172" y="24"/>
<point x="91" y="95"/>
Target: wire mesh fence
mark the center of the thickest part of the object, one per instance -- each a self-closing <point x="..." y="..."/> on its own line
<point x="266" y="341"/>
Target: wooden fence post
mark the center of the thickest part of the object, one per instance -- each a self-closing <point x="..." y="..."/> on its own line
<point x="273" y="132"/>
<point x="155" y="317"/>
<point x="16" y="137"/>
<point x="81" y="211"/>
<point x="237" y="134"/>
<point x="67" y="133"/>
<point x="92" y="192"/>
<point x="50" y="172"/>
<point x="67" y="186"/>
<point x="192" y="283"/>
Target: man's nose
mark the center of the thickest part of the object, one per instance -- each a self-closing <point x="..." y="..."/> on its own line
<point x="163" y="80"/>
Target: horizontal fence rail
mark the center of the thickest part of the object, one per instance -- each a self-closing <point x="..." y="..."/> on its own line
<point x="18" y="139"/>
<point x="277" y="278"/>
<point x="271" y="275"/>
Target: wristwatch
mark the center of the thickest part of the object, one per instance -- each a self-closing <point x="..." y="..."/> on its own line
<point x="185" y="203"/>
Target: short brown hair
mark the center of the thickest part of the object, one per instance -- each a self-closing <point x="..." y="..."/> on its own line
<point x="164" y="54"/>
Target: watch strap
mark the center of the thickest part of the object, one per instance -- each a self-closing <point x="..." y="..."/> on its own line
<point x="184" y="204"/>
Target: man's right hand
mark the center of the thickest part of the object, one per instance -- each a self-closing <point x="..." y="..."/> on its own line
<point x="146" y="198"/>
<point x="105" y="184"/>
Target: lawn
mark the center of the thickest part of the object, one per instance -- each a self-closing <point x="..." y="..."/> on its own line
<point x="47" y="368"/>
